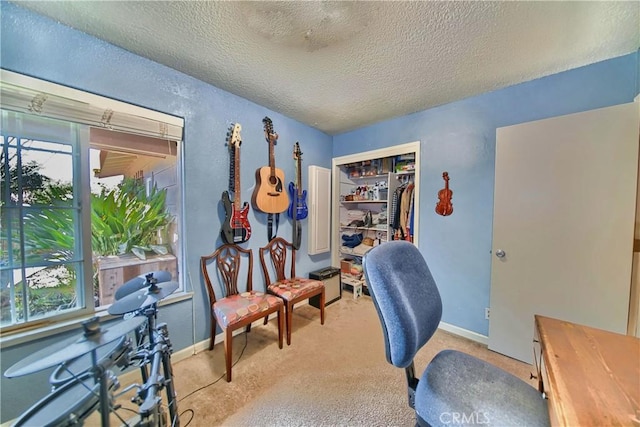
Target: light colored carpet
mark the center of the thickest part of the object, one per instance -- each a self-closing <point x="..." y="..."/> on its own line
<point x="331" y="375"/>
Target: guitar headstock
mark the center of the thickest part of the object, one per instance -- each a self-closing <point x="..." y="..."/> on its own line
<point x="270" y="135"/>
<point x="297" y="154"/>
<point x="234" y="135"/>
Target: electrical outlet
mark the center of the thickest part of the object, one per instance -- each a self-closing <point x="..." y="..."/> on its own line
<point x="487" y="311"/>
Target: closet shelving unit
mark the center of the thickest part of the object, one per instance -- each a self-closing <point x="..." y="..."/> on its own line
<point x="365" y="183"/>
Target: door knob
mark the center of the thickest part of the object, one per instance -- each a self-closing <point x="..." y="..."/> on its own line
<point x="500" y="253"/>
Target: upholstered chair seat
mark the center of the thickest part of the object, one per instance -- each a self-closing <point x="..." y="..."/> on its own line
<point x="278" y="261"/>
<point x="457" y="384"/>
<point x="293" y="288"/>
<point x="236" y="308"/>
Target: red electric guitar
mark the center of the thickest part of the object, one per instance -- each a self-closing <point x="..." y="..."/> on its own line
<point x="236" y="227"/>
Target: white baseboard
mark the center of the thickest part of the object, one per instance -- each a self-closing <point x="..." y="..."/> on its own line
<point x="473" y="336"/>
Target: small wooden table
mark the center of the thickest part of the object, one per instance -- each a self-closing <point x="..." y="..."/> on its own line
<point x="590" y="376"/>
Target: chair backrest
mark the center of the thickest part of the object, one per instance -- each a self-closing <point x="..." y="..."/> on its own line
<point x="228" y="259"/>
<point x="278" y="250"/>
<point x="405" y="296"/>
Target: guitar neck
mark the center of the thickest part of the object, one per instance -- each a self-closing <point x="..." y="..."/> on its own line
<point x="299" y="177"/>
<point x="236" y="177"/>
<point x="232" y="168"/>
<point x="272" y="158"/>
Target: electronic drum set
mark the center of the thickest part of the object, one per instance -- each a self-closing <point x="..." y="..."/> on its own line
<point x="83" y="380"/>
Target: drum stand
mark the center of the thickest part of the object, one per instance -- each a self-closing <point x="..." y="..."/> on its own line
<point x="149" y="394"/>
<point x="157" y="354"/>
<point x="102" y="375"/>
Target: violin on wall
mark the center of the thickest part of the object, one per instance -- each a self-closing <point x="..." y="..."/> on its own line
<point x="444" y="206"/>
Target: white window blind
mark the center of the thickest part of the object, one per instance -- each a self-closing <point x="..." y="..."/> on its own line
<point x="33" y="96"/>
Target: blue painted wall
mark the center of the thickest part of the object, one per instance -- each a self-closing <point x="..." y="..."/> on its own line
<point x="458" y="137"/>
<point x="39" y="47"/>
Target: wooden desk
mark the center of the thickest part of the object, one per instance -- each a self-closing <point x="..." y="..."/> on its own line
<point x="590" y="376"/>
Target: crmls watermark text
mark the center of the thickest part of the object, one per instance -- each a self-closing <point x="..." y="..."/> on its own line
<point x="463" y="418"/>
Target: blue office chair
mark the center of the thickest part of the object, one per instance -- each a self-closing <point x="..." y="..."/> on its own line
<point x="455" y="388"/>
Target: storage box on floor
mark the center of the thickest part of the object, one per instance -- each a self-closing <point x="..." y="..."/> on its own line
<point x="352" y="277"/>
<point x="330" y="276"/>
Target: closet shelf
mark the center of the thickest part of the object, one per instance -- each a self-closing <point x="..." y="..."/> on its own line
<point x="363" y="201"/>
<point x="365" y="177"/>
<point x="379" y="227"/>
<point x="352" y="253"/>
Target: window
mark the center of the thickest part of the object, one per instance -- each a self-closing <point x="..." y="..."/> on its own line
<point x="41" y="256"/>
<point x="134" y="207"/>
<point x="84" y="207"/>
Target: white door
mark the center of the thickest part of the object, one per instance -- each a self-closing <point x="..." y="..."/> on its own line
<point x="563" y="224"/>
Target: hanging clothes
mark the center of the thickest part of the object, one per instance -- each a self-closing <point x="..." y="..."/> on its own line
<point x="396" y="205"/>
<point x="405" y="206"/>
<point x="391" y="212"/>
<point x="410" y="228"/>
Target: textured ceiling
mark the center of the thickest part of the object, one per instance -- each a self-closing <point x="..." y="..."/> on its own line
<point x="338" y="66"/>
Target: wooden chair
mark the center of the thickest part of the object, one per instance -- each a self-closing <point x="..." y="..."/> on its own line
<point x="291" y="289"/>
<point x="235" y="309"/>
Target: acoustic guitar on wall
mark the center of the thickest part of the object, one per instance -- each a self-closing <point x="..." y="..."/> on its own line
<point x="235" y="227"/>
<point x="269" y="195"/>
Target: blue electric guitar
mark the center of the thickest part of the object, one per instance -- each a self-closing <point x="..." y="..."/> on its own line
<point x="298" y="206"/>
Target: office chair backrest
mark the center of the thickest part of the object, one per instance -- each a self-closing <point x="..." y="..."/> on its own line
<point x="406" y="297"/>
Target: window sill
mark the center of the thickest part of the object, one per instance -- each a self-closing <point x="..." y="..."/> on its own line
<point x="24" y="336"/>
